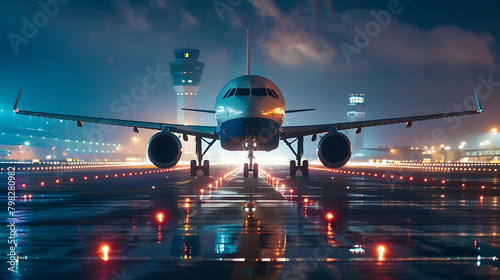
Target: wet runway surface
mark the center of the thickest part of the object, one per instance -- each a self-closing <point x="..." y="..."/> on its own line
<point x="116" y="223"/>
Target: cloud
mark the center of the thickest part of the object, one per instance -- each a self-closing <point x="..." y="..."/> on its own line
<point x="190" y="21"/>
<point x="288" y="43"/>
<point x="136" y="18"/>
<point x="158" y="4"/>
<point x="408" y="44"/>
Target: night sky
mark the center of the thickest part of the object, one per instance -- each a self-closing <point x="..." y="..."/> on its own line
<point x="426" y="59"/>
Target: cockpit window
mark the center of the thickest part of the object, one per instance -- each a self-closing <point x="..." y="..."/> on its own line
<point x="275" y="95"/>
<point x="227" y="93"/>
<point x="243" y="91"/>
<point x="270" y="93"/>
<point x="259" y="92"/>
<point x="231" y="93"/>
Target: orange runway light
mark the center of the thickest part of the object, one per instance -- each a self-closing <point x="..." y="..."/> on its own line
<point x="381" y="251"/>
<point x="291" y="190"/>
<point x="105" y="252"/>
<point x="306" y="200"/>
<point x="42" y="183"/>
<point x="329" y="216"/>
<point x="187" y="200"/>
<point x="481" y="197"/>
<point x="30" y="196"/>
<point x="202" y="191"/>
<point x="482" y="187"/>
<point x="57" y="181"/>
<point x="160" y="217"/>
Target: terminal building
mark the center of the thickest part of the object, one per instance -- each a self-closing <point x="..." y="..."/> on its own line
<point x="186" y="72"/>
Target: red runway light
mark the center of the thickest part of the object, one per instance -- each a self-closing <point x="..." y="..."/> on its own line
<point x="106" y="176"/>
<point x="425" y="180"/>
<point x="411" y="178"/>
<point x="42" y="183"/>
<point x="71" y="179"/>
<point x="116" y="175"/>
<point x="187" y="199"/>
<point x="481" y="197"/>
<point x="30" y="196"/>
<point x="24" y="185"/>
<point x="202" y="191"/>
<point x="291" y="190"/>
<point x="306" y="200"/>
<point x="443" y="181"/>
<point x="85" y="178"/>
<point x="482" y="187"/>
<point x="57" y="181"/>
<point x="25" y="196"/>
<point x="97" y="177"/>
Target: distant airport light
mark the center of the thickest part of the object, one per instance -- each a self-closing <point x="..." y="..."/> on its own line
<point x="42" y="183"/>
<point x="71" y="179"/>
<point x="306" y="200"/>
<point x="202" y="191"/>
<point x="57" y="181"/>
<point x="187" y="200"/>
<point x="291" y="190"/>
<point x="85" y="178"/>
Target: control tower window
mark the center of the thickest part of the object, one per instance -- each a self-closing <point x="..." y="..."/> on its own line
<point x="243" y="91"/>
<point x="259" y="92"/>
<point x="233" y="90"/>
<point x="186" y="55"/>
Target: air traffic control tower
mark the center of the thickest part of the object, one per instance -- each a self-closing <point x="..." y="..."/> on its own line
<point x="356" y="112"/>
<point x="186" y="72"/>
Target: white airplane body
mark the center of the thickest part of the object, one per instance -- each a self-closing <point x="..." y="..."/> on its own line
<point x="249" y="111"/>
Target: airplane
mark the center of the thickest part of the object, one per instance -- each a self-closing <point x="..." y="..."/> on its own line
<point x="249" y="111"/>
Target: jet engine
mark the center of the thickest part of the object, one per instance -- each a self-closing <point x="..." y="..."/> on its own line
<point x="164" y="149"/>
<point x="334" y="150"/>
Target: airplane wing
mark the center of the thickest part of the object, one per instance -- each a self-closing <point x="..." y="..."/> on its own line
<point x="296" y="131"/>
<point x="195" y="130"/>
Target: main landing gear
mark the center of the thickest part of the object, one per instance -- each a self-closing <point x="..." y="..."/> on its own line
<point x="247" y="167"/>
<point x="196" y="165"/>
<point x="296" y="165"/>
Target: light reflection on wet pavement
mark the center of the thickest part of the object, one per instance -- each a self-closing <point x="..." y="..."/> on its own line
<point x="251" y="228"/>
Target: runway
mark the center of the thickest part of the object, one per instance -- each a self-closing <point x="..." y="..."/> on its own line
<point x="140" y="222"/>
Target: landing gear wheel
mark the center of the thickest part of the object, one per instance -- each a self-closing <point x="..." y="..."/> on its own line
<point x="293" y="168"/>
<point x="305" y="168"/>
<point x="245" y="170"/>
<point x="255" y="170"/>
<point x="194" y="167"/>
<point x="206" y="168"/>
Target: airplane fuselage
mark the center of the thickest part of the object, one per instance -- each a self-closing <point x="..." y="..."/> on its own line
<point x="249" y="112"/>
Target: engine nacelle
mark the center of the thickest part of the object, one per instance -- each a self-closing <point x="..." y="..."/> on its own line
<point x="164" y="150"/>
<point x="334" y="150"/>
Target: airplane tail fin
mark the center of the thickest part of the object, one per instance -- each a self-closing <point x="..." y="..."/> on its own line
<point x="248" y="53"/>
